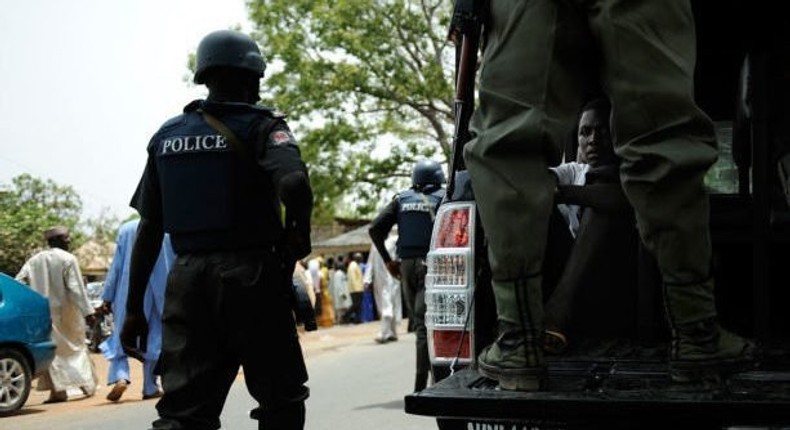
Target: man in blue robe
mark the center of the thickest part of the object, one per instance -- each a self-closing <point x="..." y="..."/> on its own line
<point x="116" y="287"/>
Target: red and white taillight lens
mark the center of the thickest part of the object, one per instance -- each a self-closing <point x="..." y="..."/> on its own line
<point x="449" y="284"/>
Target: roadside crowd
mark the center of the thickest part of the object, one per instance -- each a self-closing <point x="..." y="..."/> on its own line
<point x="352" y="288"/>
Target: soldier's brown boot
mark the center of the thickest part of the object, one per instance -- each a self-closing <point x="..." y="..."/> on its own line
<point x="515" y="359"/>
<point x="705" y="351"/>
<point x="701" y="349"/>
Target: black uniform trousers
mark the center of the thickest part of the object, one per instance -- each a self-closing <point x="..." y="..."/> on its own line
<point x="413" y="271"/>
<point x="222" y="311"/>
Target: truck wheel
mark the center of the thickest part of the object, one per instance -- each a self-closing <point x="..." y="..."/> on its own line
<point x="15" y="380"/>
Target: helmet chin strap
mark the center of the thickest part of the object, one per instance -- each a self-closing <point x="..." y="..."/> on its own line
<point x="426" y="188"/>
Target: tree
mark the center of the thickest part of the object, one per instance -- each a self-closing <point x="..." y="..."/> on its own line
<point x="104" y="227"/>
<point x="28" y="207"/>
<point x="368" y="83"/>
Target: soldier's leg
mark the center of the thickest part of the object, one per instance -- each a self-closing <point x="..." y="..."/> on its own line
<point x="530" y="90"/>
<point x="196" y="371"/>
<point x="415" y="298"/>
<point x="420" y="330"/>
<point x="280" y="395"/>
<point x="667" y="144"/>
<point x="407" y="282"/>
<point x="274" y="369"/>
<point x="278" y="386"/>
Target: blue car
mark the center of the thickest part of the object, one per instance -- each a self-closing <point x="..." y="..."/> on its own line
<point x="26" y="347"/>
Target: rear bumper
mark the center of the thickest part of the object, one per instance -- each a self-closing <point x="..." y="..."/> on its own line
<point x="43" y="353"/>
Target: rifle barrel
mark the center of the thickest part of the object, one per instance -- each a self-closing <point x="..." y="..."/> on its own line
<point x="464" y="102"/>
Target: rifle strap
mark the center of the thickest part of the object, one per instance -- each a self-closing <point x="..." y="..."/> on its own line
<point x="263" y="131"/>
<point x="429" y="204"/>
<point x="223" y="129"/>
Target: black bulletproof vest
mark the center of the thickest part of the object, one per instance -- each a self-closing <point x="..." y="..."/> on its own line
<point x="213" y="197"/>
<point x="416" y="212"/>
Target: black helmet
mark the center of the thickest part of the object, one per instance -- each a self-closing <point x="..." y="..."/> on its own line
<point x="427" y="172"/>
<point x="229" y="49"/>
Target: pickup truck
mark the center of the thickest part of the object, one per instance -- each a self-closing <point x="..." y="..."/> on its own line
<point x="742" y="85"/>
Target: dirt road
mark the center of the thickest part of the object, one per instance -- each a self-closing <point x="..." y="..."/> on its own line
<point x="324" y="341"/>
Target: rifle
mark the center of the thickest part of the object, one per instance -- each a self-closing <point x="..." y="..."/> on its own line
<point x="465" y="31"/>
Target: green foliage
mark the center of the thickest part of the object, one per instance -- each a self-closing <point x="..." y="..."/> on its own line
<point x="104" y="227"/>
<point x="368" y="88"/>
<point x="28" y="207"/>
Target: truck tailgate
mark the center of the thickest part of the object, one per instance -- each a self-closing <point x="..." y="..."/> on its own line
<point x="594" y="394"/>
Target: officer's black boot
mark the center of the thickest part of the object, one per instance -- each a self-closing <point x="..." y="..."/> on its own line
<point x="291" y="417"/>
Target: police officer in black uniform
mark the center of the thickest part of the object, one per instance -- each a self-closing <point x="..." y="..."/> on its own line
<point x="414" y="211"/>
<point x="215" y="178"/>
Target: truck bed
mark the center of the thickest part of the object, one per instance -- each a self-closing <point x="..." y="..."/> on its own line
<point x="585" y="393"/>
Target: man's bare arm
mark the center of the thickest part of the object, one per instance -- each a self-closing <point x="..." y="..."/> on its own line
<point x="606" y="197"/>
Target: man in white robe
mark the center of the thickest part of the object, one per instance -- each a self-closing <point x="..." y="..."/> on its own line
<point x="314" y="269"/>
<point x="338" y="286"/>
<point x="386" y="291"/>
<point x="55" y="273"/>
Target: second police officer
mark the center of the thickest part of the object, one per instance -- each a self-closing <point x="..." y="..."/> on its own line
<point x="214" y="180"/>
<point x="414" y="211"/>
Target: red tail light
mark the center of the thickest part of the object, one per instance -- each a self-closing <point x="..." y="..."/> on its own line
<point x="453" y="229"/>
<point x="446" y="344"/>
<point x="449" y="285"/>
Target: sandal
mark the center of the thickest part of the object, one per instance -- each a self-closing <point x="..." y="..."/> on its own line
<point x="554" y="342"/>
<point x="56" y="397"/>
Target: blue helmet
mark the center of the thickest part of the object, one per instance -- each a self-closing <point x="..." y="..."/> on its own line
<point x="427" y="172"/>
<point x="227" y="48"/>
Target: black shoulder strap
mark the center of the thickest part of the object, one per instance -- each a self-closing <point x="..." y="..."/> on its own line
<point x="264" y="129"/>
<point x="223" y="129"/>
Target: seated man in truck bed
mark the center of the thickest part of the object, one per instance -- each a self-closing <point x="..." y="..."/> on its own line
<point x="597" y="270"/>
